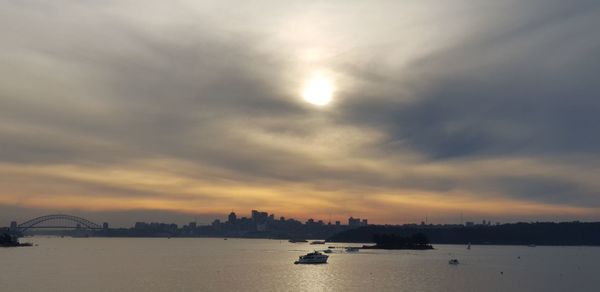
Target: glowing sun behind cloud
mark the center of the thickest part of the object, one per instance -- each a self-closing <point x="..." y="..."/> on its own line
<point x="318" y="90"/>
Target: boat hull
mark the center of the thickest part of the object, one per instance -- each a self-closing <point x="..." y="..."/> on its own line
<point x="310" y="262"/>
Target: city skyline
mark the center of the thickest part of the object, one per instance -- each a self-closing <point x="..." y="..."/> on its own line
<point x="133" y="218"/>
<point x="392" y="111"/>
<point x="235" y="225"/>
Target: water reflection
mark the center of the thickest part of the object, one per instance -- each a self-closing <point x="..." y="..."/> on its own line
<point x="197" y="264"/>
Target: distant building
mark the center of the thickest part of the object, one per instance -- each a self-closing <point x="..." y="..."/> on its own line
<point x="232" y="218"/>
<point x="469" y="224"/>
<point x="192" y="225"/>
<point x="13" y="225"/>
<point x="259" y="217"/>
<point x="216" y="224"/>
<point x="338" y="223"/>
<point x="353" y="222"/>
<point x="105" y="225"/>
<point x="261" y="227"/>
<point x="365" y="222"/>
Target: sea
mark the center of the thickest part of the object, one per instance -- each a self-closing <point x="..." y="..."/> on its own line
<point x="216" y="264"/>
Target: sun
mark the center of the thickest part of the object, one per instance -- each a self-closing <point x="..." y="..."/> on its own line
<point x="318" y="91"/>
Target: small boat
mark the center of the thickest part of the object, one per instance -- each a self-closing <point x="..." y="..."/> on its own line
<point x="328" y="251"/>
<point x="312" y="258"/>
<point x="318" y="242"/>
<point x="453" y="262"/>
<point x="352" y="249"/>
<point x="297" y="240"/>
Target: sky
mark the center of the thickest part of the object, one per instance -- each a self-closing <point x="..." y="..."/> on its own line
<point x="177" y="111"/>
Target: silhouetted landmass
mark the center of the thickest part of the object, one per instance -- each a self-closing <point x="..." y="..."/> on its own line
<point x="541" y="233"/>
<point x="417" y="241"/>
<point x="264" y="225"/>
<point x="10" y="240"/>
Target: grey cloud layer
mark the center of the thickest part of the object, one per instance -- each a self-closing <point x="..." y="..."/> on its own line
<point x="425" y="84"/>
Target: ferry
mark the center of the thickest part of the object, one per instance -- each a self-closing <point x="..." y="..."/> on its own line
<point x="312" y="258"/>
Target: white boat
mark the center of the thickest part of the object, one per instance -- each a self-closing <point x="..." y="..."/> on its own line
<point x="352" y="249"/>
<point x="453" y="262"/>
<point x="312" y="258"/>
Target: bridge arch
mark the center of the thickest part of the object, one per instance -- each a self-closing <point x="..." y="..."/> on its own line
<point x="59" y="218"/>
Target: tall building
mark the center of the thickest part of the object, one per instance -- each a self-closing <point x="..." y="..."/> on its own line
<point x="259" y="217"/>
<point x="353" y="222"/>
<point x="232" y="218"/>
<point x="356" y="222"/>
<point x="216" y="224"/>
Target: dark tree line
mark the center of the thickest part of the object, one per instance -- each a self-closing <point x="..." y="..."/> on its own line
<point x="394" y="241"/>
<point x="542" y="233"/>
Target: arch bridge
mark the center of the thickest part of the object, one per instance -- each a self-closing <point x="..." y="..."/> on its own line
<point x="58" y="221"/>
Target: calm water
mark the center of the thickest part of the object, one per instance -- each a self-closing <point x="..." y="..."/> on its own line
<point x="125" y="264"/>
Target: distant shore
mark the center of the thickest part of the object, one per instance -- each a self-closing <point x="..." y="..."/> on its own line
<point x="9" y="240"/>
<point x="399" y="247"/>
<point x="539" y="234"/>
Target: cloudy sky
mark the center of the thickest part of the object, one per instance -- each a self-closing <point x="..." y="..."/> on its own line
<point x="181" y="110"/>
